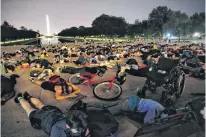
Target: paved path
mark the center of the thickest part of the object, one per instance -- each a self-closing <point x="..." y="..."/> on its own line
<point x="15" y="123"/>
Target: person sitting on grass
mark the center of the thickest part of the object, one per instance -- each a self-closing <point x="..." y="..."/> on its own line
<point x="51" y="119"/>
<point x="59" y="86"/>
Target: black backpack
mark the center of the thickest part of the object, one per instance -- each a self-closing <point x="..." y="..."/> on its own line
<point x="131" y="62"/>
<point x="102" y="123"/>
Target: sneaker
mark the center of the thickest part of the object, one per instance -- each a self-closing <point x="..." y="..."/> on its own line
<point x="16" y="99"/>
<point x="32" y="79"/>
<point x="27" y="96"/>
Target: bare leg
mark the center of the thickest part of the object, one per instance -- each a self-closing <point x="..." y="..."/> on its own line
<point x="26" y="106"/>
<point x="38" y="104"/>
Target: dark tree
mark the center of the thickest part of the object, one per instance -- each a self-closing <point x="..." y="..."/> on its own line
<point x="198" y="22"/>
<point x="161" y="20"/>
<point x="8" y="32"/>
<point x="157" y="18"/>
<point x="109" y="25"/>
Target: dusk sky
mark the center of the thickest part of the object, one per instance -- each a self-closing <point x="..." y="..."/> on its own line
<point x="67" y="13"/>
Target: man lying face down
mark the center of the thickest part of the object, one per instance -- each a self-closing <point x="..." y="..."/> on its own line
<point x="59" y="86"/>
<point x="51" y="119"/>
<point x="141" y="110"/>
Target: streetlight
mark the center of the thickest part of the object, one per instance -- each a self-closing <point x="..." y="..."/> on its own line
<point x="168" y="35"/>
<point x="196" y="34"/>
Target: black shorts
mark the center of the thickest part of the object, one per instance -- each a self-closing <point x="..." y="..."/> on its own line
<point x="45" y="117"/>
<point x="46" y="85"/>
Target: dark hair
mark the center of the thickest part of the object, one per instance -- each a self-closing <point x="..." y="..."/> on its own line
<point x="77" y="120"/>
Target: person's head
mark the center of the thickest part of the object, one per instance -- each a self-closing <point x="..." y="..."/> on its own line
<point x="54" y="78"/>
<point x="81" y="54"/>
<point x="76" y="123"/>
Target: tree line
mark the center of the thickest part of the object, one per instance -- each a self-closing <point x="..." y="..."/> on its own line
<point x="161" y="21"/>
<point x="9" y="32"/>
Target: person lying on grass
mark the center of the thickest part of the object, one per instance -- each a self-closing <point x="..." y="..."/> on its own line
<point x="59" y="86"/>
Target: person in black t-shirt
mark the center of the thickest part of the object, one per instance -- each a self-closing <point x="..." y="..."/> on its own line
<point x="51" y="119"/>
<point x="59" y="86"/>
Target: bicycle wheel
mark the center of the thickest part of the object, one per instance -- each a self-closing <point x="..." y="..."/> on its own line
<point x="159" y="126"/>
<point x="180" y="85"/>
<point x="103" y="92"/>
<point x="198" y="105"/>
<point x="76" y="79"/>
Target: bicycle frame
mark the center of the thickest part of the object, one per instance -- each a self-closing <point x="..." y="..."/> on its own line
<point x="182" y="112"/>
<point x="89" y="81"/>
<point x="171" y="121"/>
<point x="164" y="124"/>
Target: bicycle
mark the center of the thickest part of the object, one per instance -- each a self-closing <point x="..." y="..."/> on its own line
<point x="109" y="89"/>
<point x="187" y="114"/>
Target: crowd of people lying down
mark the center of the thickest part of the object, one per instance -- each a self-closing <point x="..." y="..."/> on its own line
<point x="79" y="121"/>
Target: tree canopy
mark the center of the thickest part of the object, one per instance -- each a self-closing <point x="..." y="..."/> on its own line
<point x="9" y="32"/>
<point x="161" y="21"/>
<point x="109" y="25"/>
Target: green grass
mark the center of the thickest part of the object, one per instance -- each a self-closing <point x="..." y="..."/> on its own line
<point x="16" y="41"/>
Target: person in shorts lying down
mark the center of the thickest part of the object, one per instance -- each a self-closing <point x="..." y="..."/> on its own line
<point x="59" y="86"/>
<point x="142" y="110"/>
<point x="52" y="120"/>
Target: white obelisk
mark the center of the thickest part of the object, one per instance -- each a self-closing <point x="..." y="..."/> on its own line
<point x="48" y="27"/>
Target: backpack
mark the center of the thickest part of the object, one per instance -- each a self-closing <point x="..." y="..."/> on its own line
<point x="102" y="123"/>
<point x="35" y="73"/>
<point x="131" y="62"/>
